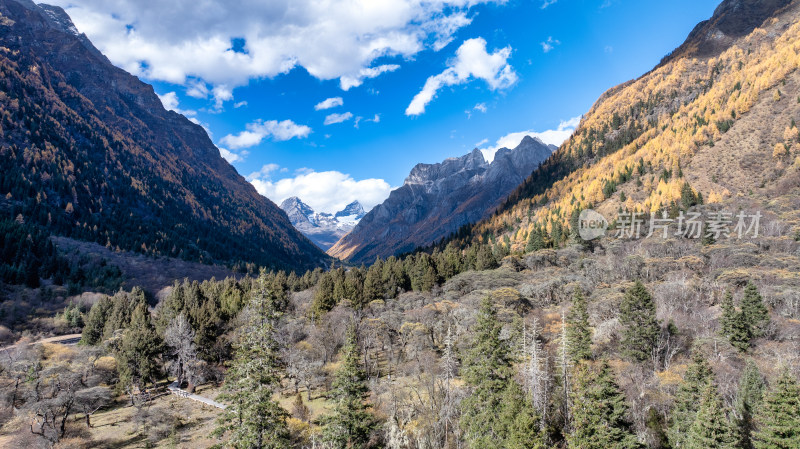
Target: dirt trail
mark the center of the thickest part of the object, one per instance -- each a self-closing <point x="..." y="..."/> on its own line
<point x="70" y="339"/>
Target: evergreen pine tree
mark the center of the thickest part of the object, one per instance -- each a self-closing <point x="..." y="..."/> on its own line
<point x="373" y="287"/>
<point x="253" y="418"/>
<point x="711" y="428"/>
<point x="557" y="234"/>
<point x="523" y="430"/>
<point x="350" y="423"/>
<point x="728" y="314"/>
<point x="640" y="326"/>
<point x="139" y="350"/>
<point x="485" y="259"/>
<point x="708" y="237"/>
<point x="324" y="299"/>
<point x="755" y="312"/>
<point x="748" y="401"/>
<point x="687" y="398"/>
<point x="93" y="330"/>
<point x="740" y="333"/>
<point x="688" y="197"/>
<point x="599" y="412"/>
<point x="579" y="333"/>
<point x="535" y="240"/>
<point x="778" y="418"/>
<point x="488" y="370"/>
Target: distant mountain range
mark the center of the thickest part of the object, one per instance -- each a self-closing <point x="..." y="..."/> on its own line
<point x="436" y="199"/>
<point x="322" y="228"/>
<point x="88" y="151"/>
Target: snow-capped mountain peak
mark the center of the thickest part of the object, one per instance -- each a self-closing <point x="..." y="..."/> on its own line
<point x="322" y="228"/>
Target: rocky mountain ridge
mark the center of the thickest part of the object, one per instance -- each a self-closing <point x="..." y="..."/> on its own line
<point x="436" y="199"/>
<point x="87" y="151"/>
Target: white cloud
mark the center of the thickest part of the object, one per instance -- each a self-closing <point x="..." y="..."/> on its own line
<point x="221" y="94"/>
<point x="197" y="89"/>
<point x="347" y="82"/>
<point x="264" y="172"/>
<point x="240" y="104"/>
<point x="548" y="3"/>
<point x="551" y="137"/>
<point x="327" y="191"/>
<point x="549" y="44"/>
<point x="376" y="119"/>
<point x="170" y="102"/>
<point x="190" y="42"/>
<point x="480" y="107"/>
<point x="338" y="118"/>
<point x="472" y="61"/>
<point x="230" y="156"/>
<point x="329" y="103"/>
<point x="445" y="28"/>
<point x="257" y="131"/>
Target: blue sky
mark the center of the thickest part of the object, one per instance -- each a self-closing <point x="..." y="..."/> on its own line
<point x="256" y="75"/>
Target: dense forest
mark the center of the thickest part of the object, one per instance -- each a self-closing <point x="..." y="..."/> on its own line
<point x="572" y="346"/>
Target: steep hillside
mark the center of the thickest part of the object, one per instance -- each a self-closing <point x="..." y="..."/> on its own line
<point x="731" y="20"/>
<point x="720" y="129"/>
<point x="88" y="151"/>
<point x="436" y="199"/>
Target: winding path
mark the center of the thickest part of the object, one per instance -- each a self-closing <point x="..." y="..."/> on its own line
<point x="173" y="388"/>
<point x="70" y="339"/>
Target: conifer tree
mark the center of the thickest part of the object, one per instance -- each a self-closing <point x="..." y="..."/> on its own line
<point x="253" y="418"/>
<point x="520" y="419"/>
<point x="139" y="350"/>
<point x="324" y="299"/>
<point x="350" y="423"/>
<point x="557" y="234"/>
<point x="748" y="401"/>
<point x="755" y="312"/>
<point x="208" y="324"/>
<point x="688" y="197"/>
<point x="740" y="333"/>
<point x="373" y="287"/>
<point x="579" y="333"/>
<point x="536" y="375"/>
<point x="485" y="259"/>
<point x="708" y="237"/>
<point x="778" y="418"/>
<point x="698" y="376"/>
<point x="487" y="369"/>
<point x="535" y="240"/>
<point x="640" y="326"/>
<point x="728" y="314"/>
<point x="711" y="428"/>
<point x="564" y="377"/>
<point x="599" y="412"/>
<point x="93" y="330"/>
